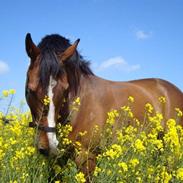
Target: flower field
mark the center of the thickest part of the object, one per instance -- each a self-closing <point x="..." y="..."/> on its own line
<point x="130" y="151"/>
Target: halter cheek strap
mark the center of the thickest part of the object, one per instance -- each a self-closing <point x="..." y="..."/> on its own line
<point x="40" y="126"/>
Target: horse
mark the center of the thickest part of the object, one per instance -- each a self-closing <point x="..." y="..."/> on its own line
<point x="59" y="71"/>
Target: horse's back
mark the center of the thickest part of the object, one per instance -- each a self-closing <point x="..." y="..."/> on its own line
<point x="115" y="95"/>
<point x="150" y="90"/>
<point x="158" y="88"/>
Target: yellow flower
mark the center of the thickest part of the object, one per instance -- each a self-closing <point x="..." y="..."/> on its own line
<point x="127" y="111"/>
<point x="46" y="100"/>
<point x="150" y="170"/>
<point x="134" y="162"/>
<point x="110" y="153"/>
<point x="149" y="108"/>
<point x="131" y="99"/>
<point x="66" y="141"/>
<point x="5" y="93"/>
<point x="156" y="122"/>
<point x="109" y="172"/>
<point x="162" y="100"/>
<point x="123" y="166"/>
<point x="12" y="91"/>
<point x="78" y="145"/>
<point x="159" y="144"/>
<point x="80" y="178"/>
<point x="77" y="101"/>
<point x="171" y="137"/>
<point x="75" y="104"/>
<point x="2" y="154"/>
<point x="57" y="169"/>
<point x="139" y="145"/>
<point x="114" y="152"/>
<point x="96" y="129"/>
<point x="179" y="174"/>
<point x="81" y="134"/>
<point x="97" y="171"/>
<point x="179" y="112"/>
<point x="119" y="135"/>
<point x="30" y="150"/>
<point x="165" y="175"/>
<point x="139" y="179"/>
<point x="112" y="117"/>
<point x="13" y="141"/>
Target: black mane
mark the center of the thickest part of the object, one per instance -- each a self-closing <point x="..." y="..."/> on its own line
<point x="50" y="46"/>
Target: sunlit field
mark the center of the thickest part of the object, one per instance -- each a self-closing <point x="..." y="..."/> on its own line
<point x="129" y="150"/>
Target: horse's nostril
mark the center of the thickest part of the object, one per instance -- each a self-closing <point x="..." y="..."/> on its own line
<point x="44" y="152"/>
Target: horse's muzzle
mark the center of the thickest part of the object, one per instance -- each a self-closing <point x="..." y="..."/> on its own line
<point x="45" y="152"/>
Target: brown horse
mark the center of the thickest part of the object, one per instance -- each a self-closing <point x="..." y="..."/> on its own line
<point x="60" y="72"/>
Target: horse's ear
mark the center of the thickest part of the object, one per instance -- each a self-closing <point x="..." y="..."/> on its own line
<point x="69" y="51"/>
<point x="32" y="50"/>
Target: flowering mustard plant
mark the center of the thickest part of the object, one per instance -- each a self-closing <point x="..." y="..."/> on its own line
<point x="129" y="150"/>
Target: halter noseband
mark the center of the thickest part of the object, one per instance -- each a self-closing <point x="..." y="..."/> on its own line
<point x="42" y="128"/>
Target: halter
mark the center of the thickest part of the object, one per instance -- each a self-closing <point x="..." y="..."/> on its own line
<point x="42" y="127"/>
<point x="47" y="128"/>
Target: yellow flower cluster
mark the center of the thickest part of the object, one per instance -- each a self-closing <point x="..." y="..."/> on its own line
<point x="114" y="152"/>
<point x="171" y="138"/>
<point x="162" y="100"/>
<point x="139" y="145"/>
<point x="129" y="150"/>
<point x="141" y="153"/>
<point x="128" y="112"/>
<point x="131" y="99"/>
<point x="81" y="134"/>
<point x="179" y="112"/>
<point x="149" y="108"/>
<point x="63" y="133"/>
<point x="155" y="123"/>
<point x="77" y="101"/>
<point x="6" y="93"/>
<point x="75" y="104"/>
<point x="46" y="100"/>
<point x="19" y="160"/>
<point x="179" y="174"/>
<point x="80" y="178"/>
<point x="134" y="162"/>
<point x="97" y="171"/>
<point x="112" y="116"/>
<point x="123" y="166"/>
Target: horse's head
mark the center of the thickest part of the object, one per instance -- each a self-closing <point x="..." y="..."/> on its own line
<point x="47" y="77"/>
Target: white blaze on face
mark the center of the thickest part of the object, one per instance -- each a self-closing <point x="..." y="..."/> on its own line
<point x="53" y="142"/>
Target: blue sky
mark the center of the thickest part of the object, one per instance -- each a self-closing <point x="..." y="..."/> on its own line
<point x="124" y="40"/>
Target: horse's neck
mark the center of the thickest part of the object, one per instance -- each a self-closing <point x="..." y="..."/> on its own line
<point x="89" y="85"/>
<point x="86" y="90"/>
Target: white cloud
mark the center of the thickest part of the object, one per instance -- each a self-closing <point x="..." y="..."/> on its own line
<point x="117" y="63"/>
<point x="142" y="35"/>
<point x="4" y="68"/>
